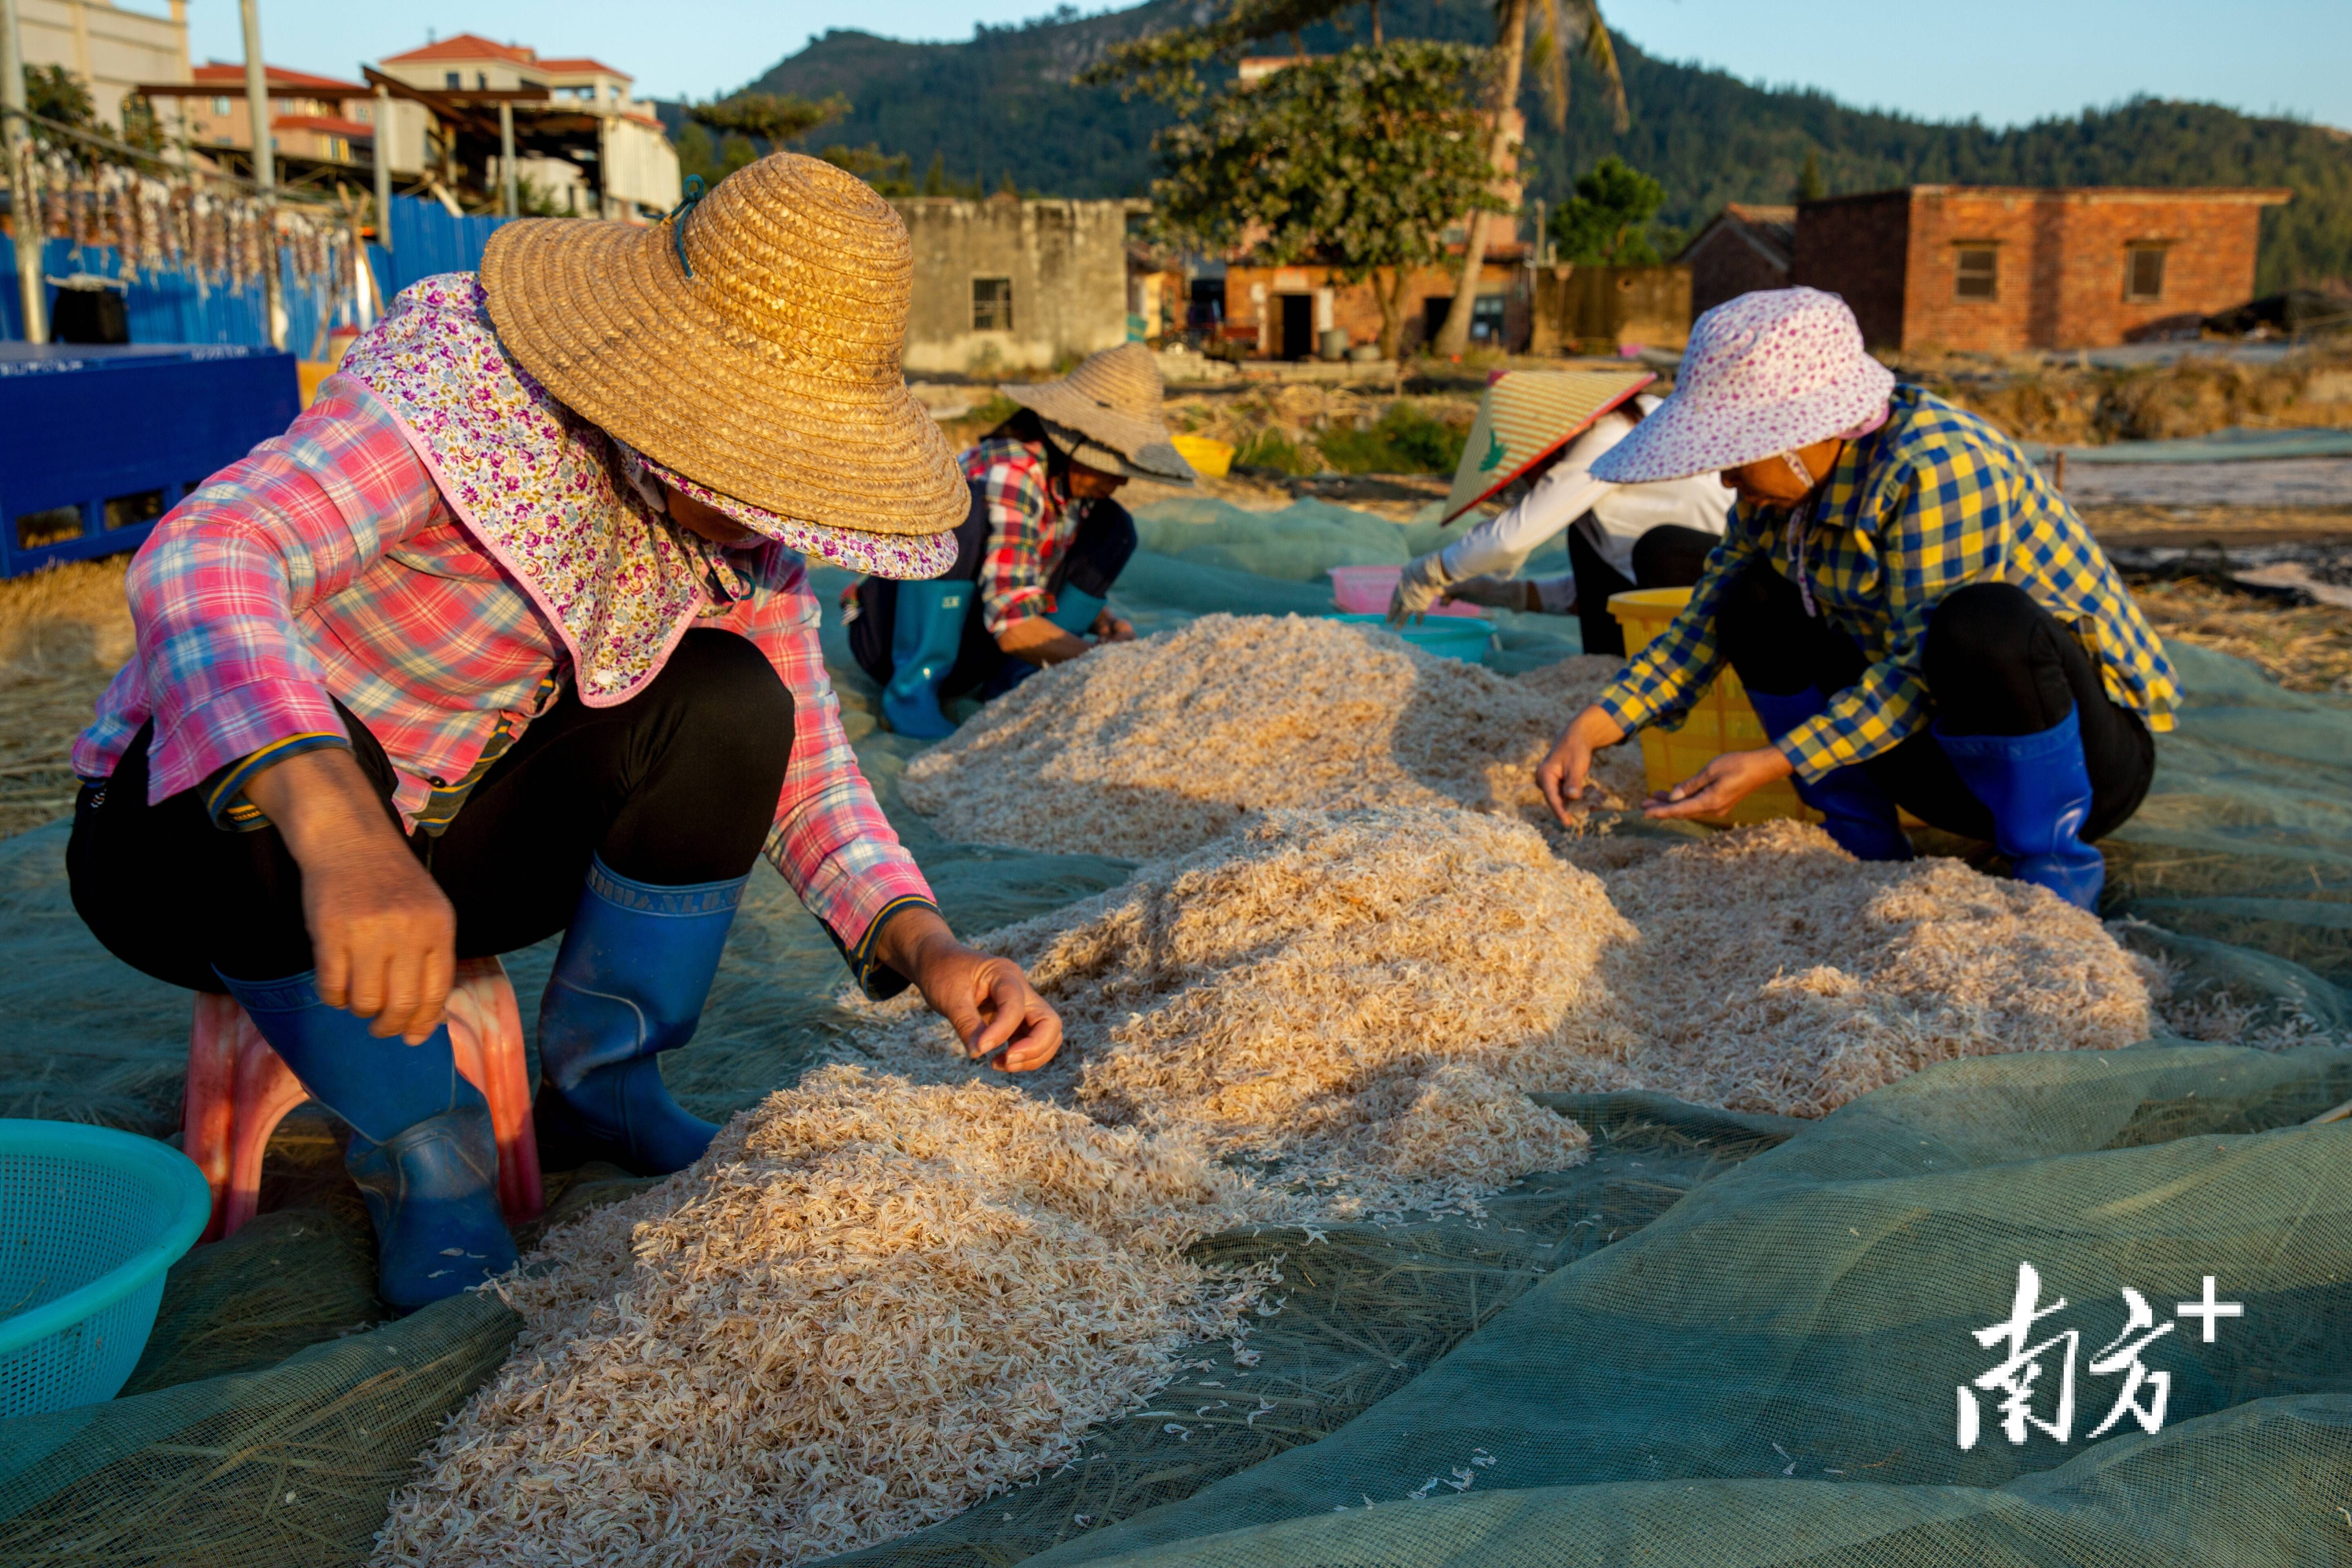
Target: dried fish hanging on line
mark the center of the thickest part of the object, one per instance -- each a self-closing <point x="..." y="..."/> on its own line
<point x="156" y="225"/>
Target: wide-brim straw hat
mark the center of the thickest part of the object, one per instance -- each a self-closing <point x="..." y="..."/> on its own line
<point x="1107" y="414"/>
<point x="1526" y="415"/>
<point x="1765" y="372"/>
<point x="751" y="343"/>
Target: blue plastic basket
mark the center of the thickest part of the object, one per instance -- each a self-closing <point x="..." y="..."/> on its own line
<point x="1448" y="636"/>
<point x="89" y="1219"/>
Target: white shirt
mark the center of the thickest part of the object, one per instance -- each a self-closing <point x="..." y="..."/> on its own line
<point x="1621" y="513"/>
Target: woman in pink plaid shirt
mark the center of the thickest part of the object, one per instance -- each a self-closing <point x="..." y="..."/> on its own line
<point x="509" y="634"/>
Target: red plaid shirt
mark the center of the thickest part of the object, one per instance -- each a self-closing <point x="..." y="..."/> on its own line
<point x="326" y="566"/>
<point x="1029" y="530"/>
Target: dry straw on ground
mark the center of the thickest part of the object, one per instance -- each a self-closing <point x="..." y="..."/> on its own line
<point x="63" y="633"/>
<point x="868" y="1307"/>
<point x="1153" y="748"/>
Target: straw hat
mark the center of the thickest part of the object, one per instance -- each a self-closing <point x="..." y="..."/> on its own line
<point x="1105" y="415"/>
<point x="1765" y="372"/>
<point x="1525" y="417"/>
<point x="751" y="343"/>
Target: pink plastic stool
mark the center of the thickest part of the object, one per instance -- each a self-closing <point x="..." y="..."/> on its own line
<point x="239" y="1089"/>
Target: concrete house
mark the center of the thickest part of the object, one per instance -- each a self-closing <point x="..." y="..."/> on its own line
<point x="2001" y="269"/>
<point x="110" y="48"/>
<point x="1007" y="285"/>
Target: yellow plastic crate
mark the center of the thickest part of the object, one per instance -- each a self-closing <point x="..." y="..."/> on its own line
<point x="1209" y="457"/>
<point x="1721" y="720"/>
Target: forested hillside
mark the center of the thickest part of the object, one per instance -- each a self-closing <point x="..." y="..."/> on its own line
<point x="1001" y="104"/>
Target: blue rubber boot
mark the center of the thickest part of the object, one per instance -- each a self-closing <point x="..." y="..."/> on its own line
<point x="2038" y="789"/>
<point x="925" y="636"/>
<point x="629" y="983"/>
<point x="1854" y="811"/>
<point x="422" y="1149"/>
<point x="1074" y="611"/>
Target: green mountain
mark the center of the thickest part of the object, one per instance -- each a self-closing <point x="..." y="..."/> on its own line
<point x="1001" y="103"/>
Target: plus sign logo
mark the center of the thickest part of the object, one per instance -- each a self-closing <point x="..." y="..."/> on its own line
<point x="2033" y="1397"/>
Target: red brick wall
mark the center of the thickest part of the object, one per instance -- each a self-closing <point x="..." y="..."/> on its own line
<point x="1725" y="266"/>
<point x="1856" y="247"/>
<point x="2063" y="259"/>
<point x="1354" y="306"/>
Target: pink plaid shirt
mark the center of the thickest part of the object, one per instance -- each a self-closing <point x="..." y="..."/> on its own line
<point x="327" y="566"/>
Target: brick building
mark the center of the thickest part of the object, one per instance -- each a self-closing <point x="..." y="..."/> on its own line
<point x="1743" y="248"/>
<point x="1282" y="312"/>
<point x="1999" y="268"/>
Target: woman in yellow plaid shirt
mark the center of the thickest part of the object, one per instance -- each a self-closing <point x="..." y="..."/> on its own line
<point x="1919" y="619"/>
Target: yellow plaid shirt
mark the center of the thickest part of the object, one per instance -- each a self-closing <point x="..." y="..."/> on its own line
<point x="1934" y="500"/>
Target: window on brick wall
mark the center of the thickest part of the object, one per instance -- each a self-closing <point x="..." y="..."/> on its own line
<point x="2144" y="272"/>
<point x="992" y="305"/>
<point x="1976" y="272"/>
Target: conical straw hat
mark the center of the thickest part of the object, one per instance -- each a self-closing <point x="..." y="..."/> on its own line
<point x="1107" y="415"/>
<point x="771" y="374"/>
<point x="1526" y="416"/>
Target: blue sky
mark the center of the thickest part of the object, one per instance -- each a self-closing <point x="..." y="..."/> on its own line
<point x="2005" y="61"/>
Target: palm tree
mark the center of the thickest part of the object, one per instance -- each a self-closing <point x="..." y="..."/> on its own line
<point x="1511" y="20"/>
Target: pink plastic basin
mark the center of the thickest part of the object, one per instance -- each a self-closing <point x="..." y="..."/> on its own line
<point x="1366" y="591"/>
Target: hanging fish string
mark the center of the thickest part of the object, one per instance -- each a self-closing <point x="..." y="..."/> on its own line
<point x="158" y="225"/>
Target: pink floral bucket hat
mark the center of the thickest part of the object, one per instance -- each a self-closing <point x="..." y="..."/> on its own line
<point x="1764" y="374"/>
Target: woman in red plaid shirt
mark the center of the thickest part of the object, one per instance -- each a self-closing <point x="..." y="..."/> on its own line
<point x="1036" y="556"/>
<point x="510" y="635"/>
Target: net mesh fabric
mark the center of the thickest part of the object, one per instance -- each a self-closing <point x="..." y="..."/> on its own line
<point x="1665" y="1354"/>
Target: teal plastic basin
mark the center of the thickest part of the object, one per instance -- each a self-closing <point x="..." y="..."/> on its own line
<point x="89" y="1219"/>
<point x="1447" y="636"/>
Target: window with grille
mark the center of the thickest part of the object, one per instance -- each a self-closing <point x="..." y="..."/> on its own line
<point x="992" y="305"/>
<point x="1976" y="273"/>
<point x="453" y="79"/>
<point x="2144" y="272"/>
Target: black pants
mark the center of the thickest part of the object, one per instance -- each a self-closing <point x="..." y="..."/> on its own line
<point x="1665" y="557"/>
<point x="1996" y="663"/>
<point x="675" y="785"/>
<point x="1098" y="553"/>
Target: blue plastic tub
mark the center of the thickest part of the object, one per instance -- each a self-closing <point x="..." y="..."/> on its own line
<point x="1447" y="636"/>
<point x="89" y="1219"/>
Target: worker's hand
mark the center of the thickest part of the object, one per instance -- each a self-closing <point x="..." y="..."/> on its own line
<point x="987" y="1001"/>
<point x="1495" y="592"/>
<point x="1110" y="629"/>
<point x="1720" y="785"/>
<point x="1422" y="582"/>
<point x="382" y="936"/>
<point x="1041" y="642"/>
<point x="1561" y="774"/>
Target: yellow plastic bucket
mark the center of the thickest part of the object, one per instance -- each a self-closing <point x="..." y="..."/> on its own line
<point x="1721" y="720"/>
<point x="1209" y="457"/>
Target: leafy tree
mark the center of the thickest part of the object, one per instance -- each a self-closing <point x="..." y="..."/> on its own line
<point x="1607" y="222"/>
<point x="935" y="178"/>
<point x="55" y="93"/>
<point x="889" y="177"/>
<point x="773" y="118"/>
<point x="1358" y="161"/>
<point x="714" y="159"/>
<point x="1810" y="186"/>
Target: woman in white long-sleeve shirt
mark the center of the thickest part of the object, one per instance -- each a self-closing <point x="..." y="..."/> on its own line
<point x="1625" y="536"/>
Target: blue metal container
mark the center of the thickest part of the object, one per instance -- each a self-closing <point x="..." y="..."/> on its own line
<point x="98" y="443"/>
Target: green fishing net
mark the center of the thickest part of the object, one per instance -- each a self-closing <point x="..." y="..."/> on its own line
<point x="1731" y="1338"/>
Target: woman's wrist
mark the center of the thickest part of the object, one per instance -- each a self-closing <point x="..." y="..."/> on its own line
<point x="910" y="937"/>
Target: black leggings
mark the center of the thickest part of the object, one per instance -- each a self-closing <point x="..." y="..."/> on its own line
<point x="1665" y="557"/>
<point x="1996" y="663"/>
<point x="676" y="785"/>
<point x="1098" y="553"/>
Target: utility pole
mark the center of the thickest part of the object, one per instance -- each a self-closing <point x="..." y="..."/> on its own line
<point x="15" y="134"/>
<point x="265" y="169"/>
<point x="507" y="202"/>
<point x="384" y="167"/>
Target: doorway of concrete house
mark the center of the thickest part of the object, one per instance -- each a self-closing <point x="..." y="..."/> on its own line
<point x="1297" y="326"/>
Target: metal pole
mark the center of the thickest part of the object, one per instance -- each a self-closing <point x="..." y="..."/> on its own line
<point x="384" y="167"/>
<point x="15" y="134"/>
<point x="507" y="202"/>
<point x="265" y="167"/>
